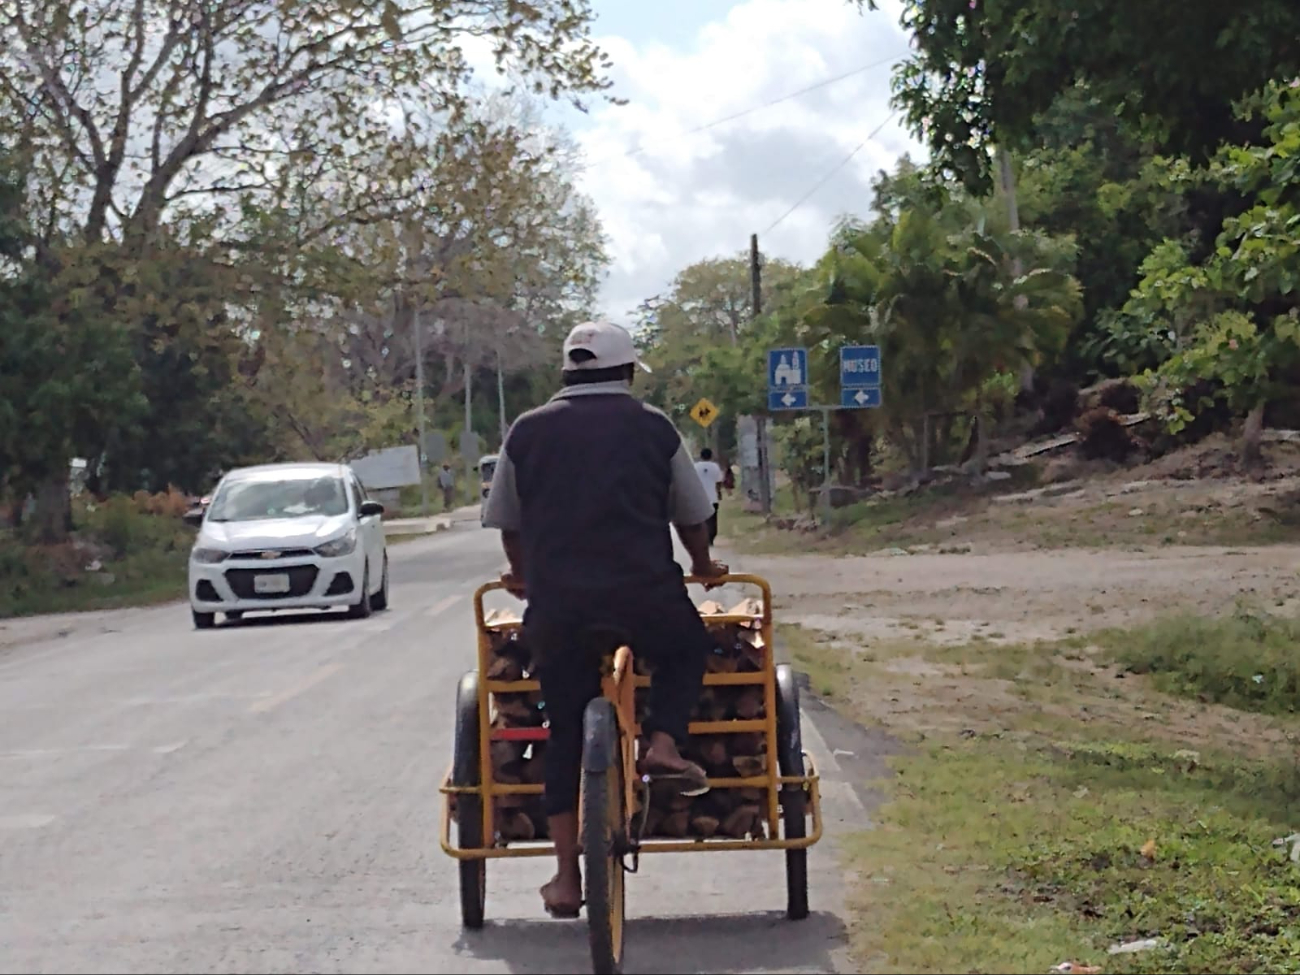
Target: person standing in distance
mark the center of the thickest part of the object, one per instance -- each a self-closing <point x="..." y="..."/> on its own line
<point x="584" y="492"/>
<point x="711" y="476"/>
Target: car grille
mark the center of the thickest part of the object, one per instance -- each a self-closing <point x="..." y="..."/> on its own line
<point x="280" y="553"/>
<point x="301" y="579"/>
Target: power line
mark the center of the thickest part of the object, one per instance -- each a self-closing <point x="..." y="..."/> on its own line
<point x="822" y="182"/>
<point x="775" y="101"/>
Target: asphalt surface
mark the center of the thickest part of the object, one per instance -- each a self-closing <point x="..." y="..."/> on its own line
<point x="263" y="797"/>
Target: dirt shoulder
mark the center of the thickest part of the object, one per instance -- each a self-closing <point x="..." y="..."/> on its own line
<point x="1018" y="596"/>
<point x="1048" y="805"/>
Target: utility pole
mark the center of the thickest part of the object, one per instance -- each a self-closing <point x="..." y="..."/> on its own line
<point x="465" y="437"/>
<point x="756" y="303"/>
<point x="501" y="398"/>
<point x="419" y="409"/>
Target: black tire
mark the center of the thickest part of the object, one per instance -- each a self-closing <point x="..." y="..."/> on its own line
<point x="794" y="800"/>
<point x="235" y="615"/>
<point x="203" y="621"/>
<point x="466" y="771"/>
<point x="603" y="826"/>
<point x="363" y="607"/>
<point x="380" y="600"/>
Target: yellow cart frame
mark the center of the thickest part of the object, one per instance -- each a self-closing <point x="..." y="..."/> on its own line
<point x="619" y="687"/>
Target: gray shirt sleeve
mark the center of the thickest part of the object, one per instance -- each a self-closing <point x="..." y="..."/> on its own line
<point x="688" y="502"/>
<point x="503" y="510"/>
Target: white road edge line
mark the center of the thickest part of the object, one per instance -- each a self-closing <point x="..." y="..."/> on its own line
<point x="443" y="605"/>
<point x="827" y="762"/>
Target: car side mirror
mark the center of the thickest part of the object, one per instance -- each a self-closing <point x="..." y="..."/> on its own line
<point x="193" y="517"/>
<point x="369" y="508"/>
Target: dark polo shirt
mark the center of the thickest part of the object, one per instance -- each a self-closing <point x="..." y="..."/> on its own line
<point x="592" y="481"/>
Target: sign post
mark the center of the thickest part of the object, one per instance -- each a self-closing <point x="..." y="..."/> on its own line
<point x="860" y="388"/>
<point x="787" y="379"/>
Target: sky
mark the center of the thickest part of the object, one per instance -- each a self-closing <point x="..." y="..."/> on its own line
<point x="669" y="197"/>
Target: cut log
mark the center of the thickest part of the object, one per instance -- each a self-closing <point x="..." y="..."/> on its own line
<point x="505" y="668"/>
<point x="747" y="743"/>
<point x="742" y="821"/>
<point x="711" y="607"/>
<point x="515" y="825"/>
<point x="749" y="765"/>
<point x="704" y="825"/>
<point x="506" y="752"/>
<point x="676" y="824"/>
<point x="748" y="703"/>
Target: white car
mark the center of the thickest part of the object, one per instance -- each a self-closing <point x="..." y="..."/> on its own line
<point x="288" y="536"/>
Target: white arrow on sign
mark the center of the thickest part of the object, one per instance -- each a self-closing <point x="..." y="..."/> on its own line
<point x="787" y="399"/>
<point x="861" y="398"/>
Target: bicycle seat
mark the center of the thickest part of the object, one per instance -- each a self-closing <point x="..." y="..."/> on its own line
<point x="601" y="640"/>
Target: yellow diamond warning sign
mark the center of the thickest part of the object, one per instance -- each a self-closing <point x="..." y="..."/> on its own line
<point x="704" y="412"/>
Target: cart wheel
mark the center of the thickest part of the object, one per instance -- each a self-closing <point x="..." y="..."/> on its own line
<point x="794" y="800"/>
<point x="466" y="770"/>
<point x="603" y="828"/>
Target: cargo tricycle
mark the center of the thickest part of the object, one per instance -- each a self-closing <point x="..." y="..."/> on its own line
<point x="745" y="733"/>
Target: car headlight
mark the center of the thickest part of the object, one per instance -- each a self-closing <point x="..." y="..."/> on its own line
<point x="343" y="545"/>
<point x="209" y="556"/>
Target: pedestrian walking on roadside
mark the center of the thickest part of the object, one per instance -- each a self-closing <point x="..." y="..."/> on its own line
<point x="447" y="481"/>
<point x="711" y="476"/>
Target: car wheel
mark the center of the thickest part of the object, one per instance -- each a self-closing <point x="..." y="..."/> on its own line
<point x="203" y="621"/>
<point x="380" y="600"/>
<point x="362" y="607"/>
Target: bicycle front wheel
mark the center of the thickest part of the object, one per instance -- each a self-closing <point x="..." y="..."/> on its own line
<point x="603" y="828"/>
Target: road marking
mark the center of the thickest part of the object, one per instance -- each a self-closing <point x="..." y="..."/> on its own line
<point x="266" y="704"/>
<point x="442" y="605"/>
<point x="27" y="821"/>
<point x="826" y="759"/>
<point x="43" y="752"/>
<point x="173" y="747"/>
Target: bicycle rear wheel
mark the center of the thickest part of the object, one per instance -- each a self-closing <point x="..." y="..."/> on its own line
<point x="603" y="840"/>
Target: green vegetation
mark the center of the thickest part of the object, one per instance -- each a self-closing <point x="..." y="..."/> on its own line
<point x="213" y="251"/>
<point x="122" y="553"/>
<point x="1020" y="836"/>
<point x="1247" y="660"/>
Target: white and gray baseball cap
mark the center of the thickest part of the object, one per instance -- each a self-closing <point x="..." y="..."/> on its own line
<point x="610" y="345"/>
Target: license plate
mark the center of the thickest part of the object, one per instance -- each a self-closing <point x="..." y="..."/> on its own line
<point x="271" y="584"/>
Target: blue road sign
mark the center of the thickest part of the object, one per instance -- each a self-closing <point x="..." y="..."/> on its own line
<point x="860" y="399"/>
<point x="859" y="366"/>
<point x="787" y="369"/>
<point x="788" y="399"/>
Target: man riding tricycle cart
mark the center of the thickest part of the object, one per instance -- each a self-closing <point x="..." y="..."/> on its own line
<point x="617" y="718"/>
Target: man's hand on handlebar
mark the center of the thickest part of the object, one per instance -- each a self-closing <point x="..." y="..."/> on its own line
<point x="712" y="571"/>
<point x="514" y="584"/>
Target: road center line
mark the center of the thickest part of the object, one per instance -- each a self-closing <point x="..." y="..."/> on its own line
<point x="27" y="821"/>
<point x="442" y="605"/>
<point x="266" y="704"/>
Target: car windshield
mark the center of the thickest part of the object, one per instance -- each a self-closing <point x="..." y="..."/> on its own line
<point x="253" y="500"/>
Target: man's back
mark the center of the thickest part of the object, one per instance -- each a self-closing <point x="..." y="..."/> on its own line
<point x="593" y="475"/>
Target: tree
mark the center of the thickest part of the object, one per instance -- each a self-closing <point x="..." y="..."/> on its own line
<point x="984" y="71"/>
<point x="1232" y="321"/>
<point x="151" y="128"/>
<point x="932" y="281"/>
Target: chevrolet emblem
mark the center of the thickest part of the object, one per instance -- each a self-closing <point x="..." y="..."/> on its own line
<point x="269" y="555"/>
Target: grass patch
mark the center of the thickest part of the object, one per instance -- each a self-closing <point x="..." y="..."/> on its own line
<point x="121" y="553"/>
<point x="1247" y="660"/>
<point x="1007" y="855"/>
<point x="1066" y="823"/>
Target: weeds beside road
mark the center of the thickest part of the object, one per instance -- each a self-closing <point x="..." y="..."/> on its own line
<point x="1099" y="743"/>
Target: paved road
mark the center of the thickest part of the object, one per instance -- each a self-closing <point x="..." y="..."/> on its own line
<point x="263" y="798"/>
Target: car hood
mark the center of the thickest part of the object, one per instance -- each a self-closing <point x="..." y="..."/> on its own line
<point x="305" y="531"/>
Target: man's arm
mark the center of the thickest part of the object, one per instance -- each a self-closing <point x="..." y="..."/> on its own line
<point x="503" y="511"/>
<point x="690" y="509"/>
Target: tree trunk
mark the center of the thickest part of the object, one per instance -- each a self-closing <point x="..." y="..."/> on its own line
<point x="982" y="437"/>
<point x="53" y="515"/>
<point x="1252" y="435"/>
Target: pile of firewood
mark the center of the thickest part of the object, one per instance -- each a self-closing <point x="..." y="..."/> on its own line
<point x="723" y="812"/>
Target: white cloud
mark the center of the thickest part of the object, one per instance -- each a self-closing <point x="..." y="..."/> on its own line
<point x="669" y="197"/>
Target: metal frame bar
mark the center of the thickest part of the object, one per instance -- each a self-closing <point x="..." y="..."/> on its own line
<point x="616" y="686"/>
